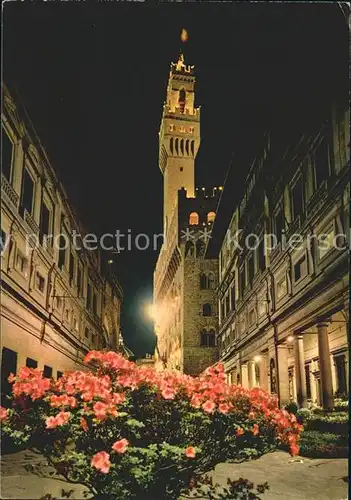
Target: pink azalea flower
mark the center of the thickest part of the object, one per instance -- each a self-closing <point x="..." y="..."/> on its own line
<point x="255" y="429"/>
<point x="190" y="452"/>
<point x="101" y="461"/>
<point x="3" y="414"/>
<point x="120" y="446"/>
<point x="209" y="406"/>
<point x="168" y="393"/>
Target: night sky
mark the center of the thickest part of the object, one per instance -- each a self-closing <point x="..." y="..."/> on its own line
<point x="93" y="79"/>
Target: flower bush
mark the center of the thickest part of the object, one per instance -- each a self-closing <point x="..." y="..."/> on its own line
<point x="130" y="432"/>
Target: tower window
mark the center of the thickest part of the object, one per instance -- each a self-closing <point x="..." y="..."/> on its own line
<point x="176" y="145"/>
<point x="187" y="146"/>
<point x="207" y="310"/>
<point x="192" y="147"/>
<point x="171" y="145"/>
<point x="181" y="100"/>
<point x="181" y="169"/>
<point x="211" y="216"/>
<point x="182" y="146"/>
<point x="194" y="219"/>
<point x="208" y="339"/>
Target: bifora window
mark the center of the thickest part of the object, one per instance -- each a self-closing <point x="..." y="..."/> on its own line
<point x="208" y="338"/>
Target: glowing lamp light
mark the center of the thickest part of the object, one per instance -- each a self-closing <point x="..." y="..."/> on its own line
<point x="110" y="261"/>
<point x="150" y="311"/>
<point x="257" y="358"/>
<point x="290" y="338"/>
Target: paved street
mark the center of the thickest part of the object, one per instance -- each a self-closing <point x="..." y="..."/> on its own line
<point x="289" y="479"/>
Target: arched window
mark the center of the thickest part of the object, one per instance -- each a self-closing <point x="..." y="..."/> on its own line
<point x="208" y="339"/>
<point x="187" y="146"/>
<point x="203" y="281"/>
<point x="176" y="145"/>
<point x="192" y="147"/>
<point x="182" y="146"/>
<point x="189" y="249"/>
<point x="211" y="216"/>
<point x="171" y="145"/>
<point x="207" y="310"/>
<point x="194" y="219"/>
<point x="181" y="100"/>
<point x="200" y="249"/>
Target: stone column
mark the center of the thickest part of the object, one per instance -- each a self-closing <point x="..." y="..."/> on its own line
<point x="333" y="373"/>
<point x="244" y="375"/>
<point x="252" y="374"/>
<point x="300" y="374"/>
<point x="325" y="366"/>
<point x="313" y="385"/>
<point x="283" y="374"/>
<point x="264" y="373"/>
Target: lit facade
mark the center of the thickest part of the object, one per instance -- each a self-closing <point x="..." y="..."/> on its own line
<point x="57" y="303"/>
<point x="283" y="313"/>
<point x="186" y="319"/>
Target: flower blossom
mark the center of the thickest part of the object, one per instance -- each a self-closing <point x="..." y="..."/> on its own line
<point x="209" y="406"/>
<point x="101" y="461"/>
<point x="60" y="419"/>
<point x="3" y="414"/>
<point x="255" y="429"/>
<point x="121" y="445"/>
<point x="190" y="452"/>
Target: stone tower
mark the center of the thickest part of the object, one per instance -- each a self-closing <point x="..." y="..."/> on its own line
<point x="179" y="137"/>
<point x="186" y="321"/>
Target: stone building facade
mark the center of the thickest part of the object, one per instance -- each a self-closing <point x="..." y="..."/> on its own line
<point x="283" y="306"/>
<point x="58" y="299"/>
<point x="186" y="318"/>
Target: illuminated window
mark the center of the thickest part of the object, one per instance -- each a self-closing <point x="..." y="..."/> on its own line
<point x="171" y="128"/>
<point x="194" y="218"/>
<point x="191" y="130"/>
<point x="211" y="216"/>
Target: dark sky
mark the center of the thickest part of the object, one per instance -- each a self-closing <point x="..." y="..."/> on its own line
<point x="93" y="79"/>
